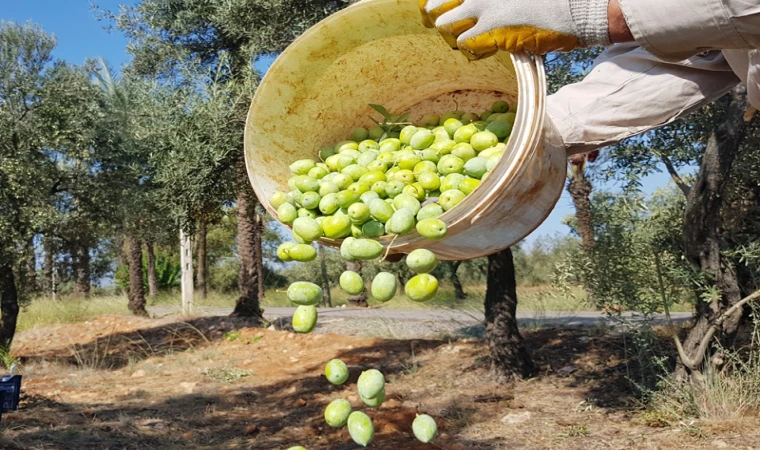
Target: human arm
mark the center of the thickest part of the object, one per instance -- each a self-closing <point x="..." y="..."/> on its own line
<point x="629" y="91"/>
<point x="616" y="24"/>
<point x="676" y="29"/>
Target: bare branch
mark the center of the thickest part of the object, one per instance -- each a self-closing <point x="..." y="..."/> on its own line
<point x="693" y="363"/>
<point x="674" y="174"/>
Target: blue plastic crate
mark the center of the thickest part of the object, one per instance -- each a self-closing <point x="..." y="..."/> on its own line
<point x="10" y="387"/>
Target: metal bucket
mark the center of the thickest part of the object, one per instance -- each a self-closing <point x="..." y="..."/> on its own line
<point x="377" y="51"/>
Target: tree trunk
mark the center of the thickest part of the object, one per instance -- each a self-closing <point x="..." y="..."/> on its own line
<point x="47" y="264"/>
<point x="123" y="251"/>
<point x="509" y="357"/>
<point x="200" y="278"/>
<point x="152" y="278"/>
<point x="702" y="222"/>
<point x="459" y="293"/>
<point x="81" y="259"/>
<point x="248" y="277"/>
<point x="361" y="299"/>
<point x="136" y="291"/>
<point x="30" y="269"/>
<point x="8" y="305"/>
<point x="579" y="188"/>
<point x="258" y="219"/>
<point x="326" y="294"/>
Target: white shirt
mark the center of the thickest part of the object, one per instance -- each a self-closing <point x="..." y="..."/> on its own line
<point x="687" y="53"/>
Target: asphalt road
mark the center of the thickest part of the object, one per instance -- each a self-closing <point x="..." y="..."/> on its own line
<point x="572" y="318"/>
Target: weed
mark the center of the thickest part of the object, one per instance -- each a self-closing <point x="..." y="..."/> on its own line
<point x="574" y="431"/>
<point x="7" y="360"/>
<point x="225" y="374"/>
<point x="232" y="336"/>
<point x="458" y="416"/>
<point x="692" y="429"/>
<point x="586" y="405"/>
<point x="727" y="392"/>
<point x="94" y="357"/>
<point x="411" y="367"/>
<point x="655" y="419"/>
<point x="132" y="363"/>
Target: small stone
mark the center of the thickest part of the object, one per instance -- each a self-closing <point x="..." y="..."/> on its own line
<point x="138" y="374"/>
<point x="566" y="371"/>
<point x="251" y="429"/>
<point x="189" y="435"/>
<point x="187" y="386"/>
<point x="513" y="418"/>
<point x="719" y="444"/>
<point x="390" y="403"/>
<point x="301" y="402"/>
<point x="271" y="328"/>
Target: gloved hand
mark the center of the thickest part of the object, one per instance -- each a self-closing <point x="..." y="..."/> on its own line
<point x="480" y="28"/>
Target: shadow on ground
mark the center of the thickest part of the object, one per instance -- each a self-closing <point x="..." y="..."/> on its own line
<point x="270" y="416"/>
<point x="289" y="412"/>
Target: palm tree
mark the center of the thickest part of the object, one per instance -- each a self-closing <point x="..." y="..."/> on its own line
<point x="124" y="138"/>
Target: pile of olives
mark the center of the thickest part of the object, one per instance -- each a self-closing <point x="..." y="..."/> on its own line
<point x="376" y="184"/>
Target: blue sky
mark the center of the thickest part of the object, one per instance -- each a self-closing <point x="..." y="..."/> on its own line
<point x="80" y="36"/>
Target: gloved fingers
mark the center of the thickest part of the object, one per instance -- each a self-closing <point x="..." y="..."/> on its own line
<point x="478" y="42"/>
<point x="454" y="21"/>
<point x="425" y="17"/>
<point x="437" y="8"/>
<point x="452" y="31"/>
<point x="513" y="39"/>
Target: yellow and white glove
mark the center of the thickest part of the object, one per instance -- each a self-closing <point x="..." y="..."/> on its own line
<point x="480" y="28"/>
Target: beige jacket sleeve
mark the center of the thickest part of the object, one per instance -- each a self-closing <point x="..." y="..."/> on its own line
<point x="676" y="29"/>
<point x="629" y="91"/>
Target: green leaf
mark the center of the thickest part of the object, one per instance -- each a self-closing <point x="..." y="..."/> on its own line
<point x="381" y="109"/>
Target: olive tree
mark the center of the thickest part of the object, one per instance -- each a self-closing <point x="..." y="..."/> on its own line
<point x="26" y="171"/>
<point x="221" y="37"/>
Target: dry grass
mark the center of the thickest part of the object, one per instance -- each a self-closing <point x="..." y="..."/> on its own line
<point x="44" y="311"/>
<point x="729" y="393"/>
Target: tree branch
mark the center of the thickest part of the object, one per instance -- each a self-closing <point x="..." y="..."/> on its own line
<point x="693" y="363"/>
<point x="674" y="174"/>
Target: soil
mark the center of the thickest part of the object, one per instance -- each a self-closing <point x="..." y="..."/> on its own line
<point x="120" y="382"/>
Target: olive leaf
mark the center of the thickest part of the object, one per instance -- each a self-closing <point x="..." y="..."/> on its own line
<point x="381" y="109"/>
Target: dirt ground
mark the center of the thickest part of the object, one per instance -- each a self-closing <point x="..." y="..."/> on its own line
<point x="121" y="382"/>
